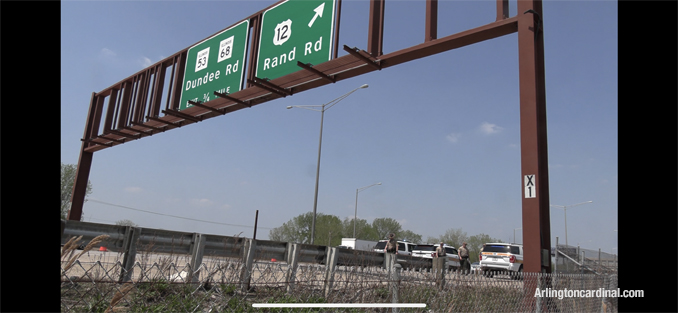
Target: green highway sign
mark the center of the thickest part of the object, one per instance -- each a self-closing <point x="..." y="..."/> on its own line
<point x="215" y="64"/>
<point x="295" y="30"/>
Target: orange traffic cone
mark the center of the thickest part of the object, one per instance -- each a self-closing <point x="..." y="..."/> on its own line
<point x="102" y="248"/>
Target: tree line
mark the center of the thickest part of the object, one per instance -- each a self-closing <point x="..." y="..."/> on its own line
<point x="329" y="229"/>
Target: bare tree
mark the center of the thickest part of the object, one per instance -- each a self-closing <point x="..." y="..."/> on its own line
<point x="453" y="237"/>
<point x="126" y="223"/>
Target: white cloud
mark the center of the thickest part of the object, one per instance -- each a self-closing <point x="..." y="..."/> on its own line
<point x="145" y="62"/>
<point x="453" y="137"/>
<point x="489" y="129"/>
<point x="202" y="202"/>
<point x="107" y="53"/>
<point x="172" y="200"/>
<point x="133" y="189"/>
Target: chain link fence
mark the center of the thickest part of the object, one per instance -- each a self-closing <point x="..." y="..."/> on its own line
<point x="573" y="260"/>
<point x="90" y="282"/>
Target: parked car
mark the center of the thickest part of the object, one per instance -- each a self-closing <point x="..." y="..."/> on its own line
<point x="404" y="247"/>
<point x="475" y="267"/>
<point x="502" y="257"/>
<point x="428" y="250"/>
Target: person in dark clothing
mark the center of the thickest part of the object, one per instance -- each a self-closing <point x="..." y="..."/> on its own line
<point x="391" y="245"/>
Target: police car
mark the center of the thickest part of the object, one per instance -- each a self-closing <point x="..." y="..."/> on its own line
<point x="502" y="257"/>
<point x="427" y="251"/>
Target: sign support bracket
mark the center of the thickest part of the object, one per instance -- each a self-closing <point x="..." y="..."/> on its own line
<point x="140" y="132"/>
<point x="106" y="138"/>
<point x="200" y="105"/>
<point x="269" y="86"/>
<point x="238" y="101"/>
<point x="91" y="140"/>
<point x="354" y="52"/>
<point x="309" y="67"/>
<point x="164" y="122"/>
<point x="182" y="115"/>
<point x="150" y="127"/>
<point x="119" y="133"/>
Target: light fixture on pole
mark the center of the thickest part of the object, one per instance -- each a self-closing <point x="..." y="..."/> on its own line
<point x="322" y="108"/>
<point x="355" y="217"/>
<point x="564" y="207"/>
<point x="514" y="233"/>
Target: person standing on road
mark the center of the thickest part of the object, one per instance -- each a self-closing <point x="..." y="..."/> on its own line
<point x="391" y="245"/>
<point x="440" y="253"/>
<point x="463" y="259"/>
<point x="440" y="250"/>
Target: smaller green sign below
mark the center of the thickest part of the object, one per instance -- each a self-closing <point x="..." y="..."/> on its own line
<point x="295" y="30"/>
<point x="215" y="64"/>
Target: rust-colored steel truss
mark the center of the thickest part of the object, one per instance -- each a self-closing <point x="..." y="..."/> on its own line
<point x="135" y="103"/>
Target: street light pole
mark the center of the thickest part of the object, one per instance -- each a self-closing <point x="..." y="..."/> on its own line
<point x="616" y="242"/>
<point x="514" y="233"/>
<point x="322" y="110"/>
<point x="564" y="207"/>
<point x="355" y="217"/>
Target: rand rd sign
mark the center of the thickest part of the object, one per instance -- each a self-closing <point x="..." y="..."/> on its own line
<point x="295" y="30"/>
<point x="215" y="64"/>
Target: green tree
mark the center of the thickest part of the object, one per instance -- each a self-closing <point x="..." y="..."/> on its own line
<point x="386" y="225"/>
<point x="363" y="229"/>
<point x="298" y="229"/>
<point x="475" y="242"/>
<point x="410" y="236"/>
<point x="328" y="230"/>
<point x="67" y="181"/>
<point x="453" y="237"/>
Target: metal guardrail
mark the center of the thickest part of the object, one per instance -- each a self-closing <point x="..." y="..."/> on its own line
<point x="129" y="240"/>
<point x="229" y="279"/>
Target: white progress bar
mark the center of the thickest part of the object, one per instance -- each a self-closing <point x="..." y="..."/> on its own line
<point x="339" y="305"/>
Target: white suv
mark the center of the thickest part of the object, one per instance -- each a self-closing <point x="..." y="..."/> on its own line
<point x="427" y="251"/>
<point x="501" y="257"/>
<point x="404" y="247"/>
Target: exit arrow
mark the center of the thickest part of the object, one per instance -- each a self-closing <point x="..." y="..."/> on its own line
<point x="318" y="12"/>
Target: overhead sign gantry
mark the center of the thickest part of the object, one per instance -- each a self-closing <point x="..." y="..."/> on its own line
<point x="132" y="107"/>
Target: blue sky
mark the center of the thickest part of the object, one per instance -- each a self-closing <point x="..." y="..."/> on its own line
<point x="441" y="133"/>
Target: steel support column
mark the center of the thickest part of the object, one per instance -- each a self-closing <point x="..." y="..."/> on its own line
<point x="431" y="20"/>
<point x="534" y="153"/>
<point x="533" y="145"/>
<point x="255" y="23"/>
<point x="85" y="160"/>
<point x="502" y="9"/>
<point x="375" y="33"/>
